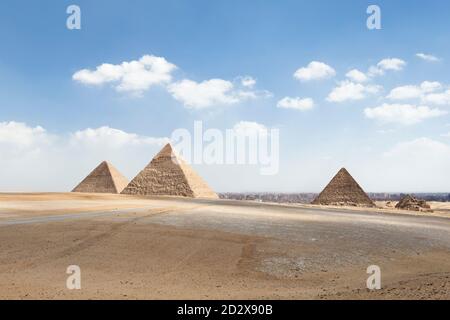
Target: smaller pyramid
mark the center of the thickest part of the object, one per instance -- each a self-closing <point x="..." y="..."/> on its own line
<point x="169" y="175"/>
<point x="104" y="179"/>
<point x="343" y="190"/>
<point x="411" y="203"/>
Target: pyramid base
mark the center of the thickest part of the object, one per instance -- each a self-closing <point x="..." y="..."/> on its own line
<point x="345" y="204"/>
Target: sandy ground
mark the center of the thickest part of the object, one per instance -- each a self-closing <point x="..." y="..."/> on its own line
<point x="169" y="248"/>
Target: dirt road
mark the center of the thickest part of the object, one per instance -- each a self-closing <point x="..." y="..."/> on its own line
<point x="161" y="248"/>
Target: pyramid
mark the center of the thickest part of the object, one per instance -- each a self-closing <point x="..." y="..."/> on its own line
<point x="343" y="190"/>
<point x="409" y="202"/>
<point x="168" y="174"/>
<point x="104" y="179"/>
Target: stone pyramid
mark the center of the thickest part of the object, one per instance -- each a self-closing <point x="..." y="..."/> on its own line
<point x="104" y="179"/>
<point x="168" y="174"/>
<point x="409" y="202"/>
<point x="343" y="190"/>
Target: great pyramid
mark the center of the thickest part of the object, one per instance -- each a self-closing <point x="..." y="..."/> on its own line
<point x="343" y="190"/>
<point x="104" y="179"/>
<point x="168" y="174"/>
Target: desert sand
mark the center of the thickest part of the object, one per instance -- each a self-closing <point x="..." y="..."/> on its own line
<point x="134" y="247"/>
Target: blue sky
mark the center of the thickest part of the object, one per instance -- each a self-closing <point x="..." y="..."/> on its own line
<point x="227" y="40"/>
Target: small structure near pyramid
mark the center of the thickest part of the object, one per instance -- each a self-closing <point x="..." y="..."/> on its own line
<point x="343" y="190"/>
<point x="411" y="203"/>
<point x="104" y="179"/>
<point x="169" y="175"/>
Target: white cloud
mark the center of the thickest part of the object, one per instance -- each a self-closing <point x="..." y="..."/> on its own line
<point x="204" y="94"/>
<point x="18" y="135"/>
<point x="430" y="86"/>
<point x="390" y="64"/>
<point x="404" y="114"/>
<point x="375" y="71"/>
<point x="112" y="138"/>
<point x="248" y="82"/>
<point x="138" y="76"/>
<point x="210" y="93"/>
<point x="357" y="76"/>
<point x="134" y="76"/>
<point x="249" y="128"/>
<point x="442" y="98"/>
<point x="40" y="161"/>
<point x="347" y="90"/>
<point x="446" y="135"/>
<point x="315" y="71"/>
<point x="414" y="92"/>
<point x="296" y="103"/>
<point x="427" y="57"/>
<point x="405" y="92"/>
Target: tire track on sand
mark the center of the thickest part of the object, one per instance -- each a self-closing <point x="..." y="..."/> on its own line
<point x="115" y="228"/>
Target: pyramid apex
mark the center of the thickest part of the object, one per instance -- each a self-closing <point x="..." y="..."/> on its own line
<point x="343" y="171"/>
<point x="166" y="150"/>
<point x="168" y="146"/>
<point x="106" y="164"/>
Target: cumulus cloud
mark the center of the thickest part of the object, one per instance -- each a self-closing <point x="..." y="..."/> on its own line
<point x="204" y="94"/>
<point x="315" y="71"/>
<point x="296" y="103"/>
<point x="18" y="135"/>
<point x="138" y="76"/>
<point x="112" y="138"/>
<point x="209" y="93"/>
<point x="427" y="57"/>
<point x="441" y="98"/>
<point x="430" y="86"/>
<point x="413" y="92"/>
<point x="389" y="64"/>
<point x="347" y="91"/>
<point x="41" y="161"/>
<point x="357" y="76"/>
<point x="248" y="82"/>
<point x="250" y="128"/>
<point x="404" y="114"/>
<point x="429" y="92"/>
<point x="375" y="71"/>
<point x="405" y="92"/>
<point x="134" y="76"/>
